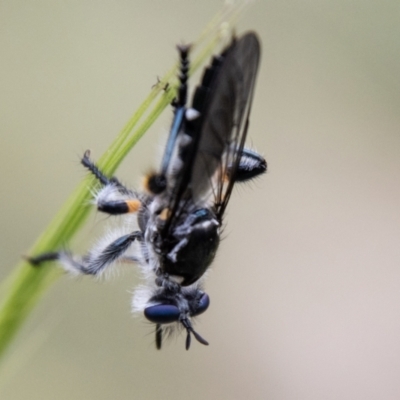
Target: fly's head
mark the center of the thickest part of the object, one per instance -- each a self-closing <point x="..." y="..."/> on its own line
<point x="174" y="305"/>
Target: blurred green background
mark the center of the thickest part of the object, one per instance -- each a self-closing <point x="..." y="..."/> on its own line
<point x="305" y="289"/>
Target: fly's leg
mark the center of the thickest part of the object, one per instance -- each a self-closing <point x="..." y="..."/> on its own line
<point x="96" y="261"/>
<point x="114" y="198"/>
<point x="104" y="180"/>
<point x="251" y="165"/>
<point x="105" y="203"/>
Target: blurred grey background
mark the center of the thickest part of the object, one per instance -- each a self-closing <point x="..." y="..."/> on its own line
<point x="305" y="290"/>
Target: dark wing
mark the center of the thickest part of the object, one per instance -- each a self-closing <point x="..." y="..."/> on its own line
<point x="225" y="121"/>
<point x="217" y="135"/>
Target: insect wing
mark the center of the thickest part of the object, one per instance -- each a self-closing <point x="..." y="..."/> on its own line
<point x="226" y="121"/>
<point x="222" y="102"/>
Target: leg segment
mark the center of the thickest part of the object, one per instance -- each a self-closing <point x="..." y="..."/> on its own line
<point x="251" y="165"/>
<point x="118" y="207"/>
<point x="94" y="169"/>
<point x="114" y="198"/>
<point x="94" y="263"/>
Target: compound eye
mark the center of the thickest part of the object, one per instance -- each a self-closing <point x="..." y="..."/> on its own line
<point x="162" y="313"/>
<point x="204" y="302"/>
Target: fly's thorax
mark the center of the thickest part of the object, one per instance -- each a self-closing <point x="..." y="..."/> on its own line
<point x="186" y="249"/>
<point x="193" y="243"/>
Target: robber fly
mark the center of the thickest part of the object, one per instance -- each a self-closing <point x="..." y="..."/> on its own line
<point x="180" y="213"/>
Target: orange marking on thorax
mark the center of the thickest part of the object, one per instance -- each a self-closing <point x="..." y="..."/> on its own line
<point x="165" y="213"/>
<point x="145" y="182"/>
